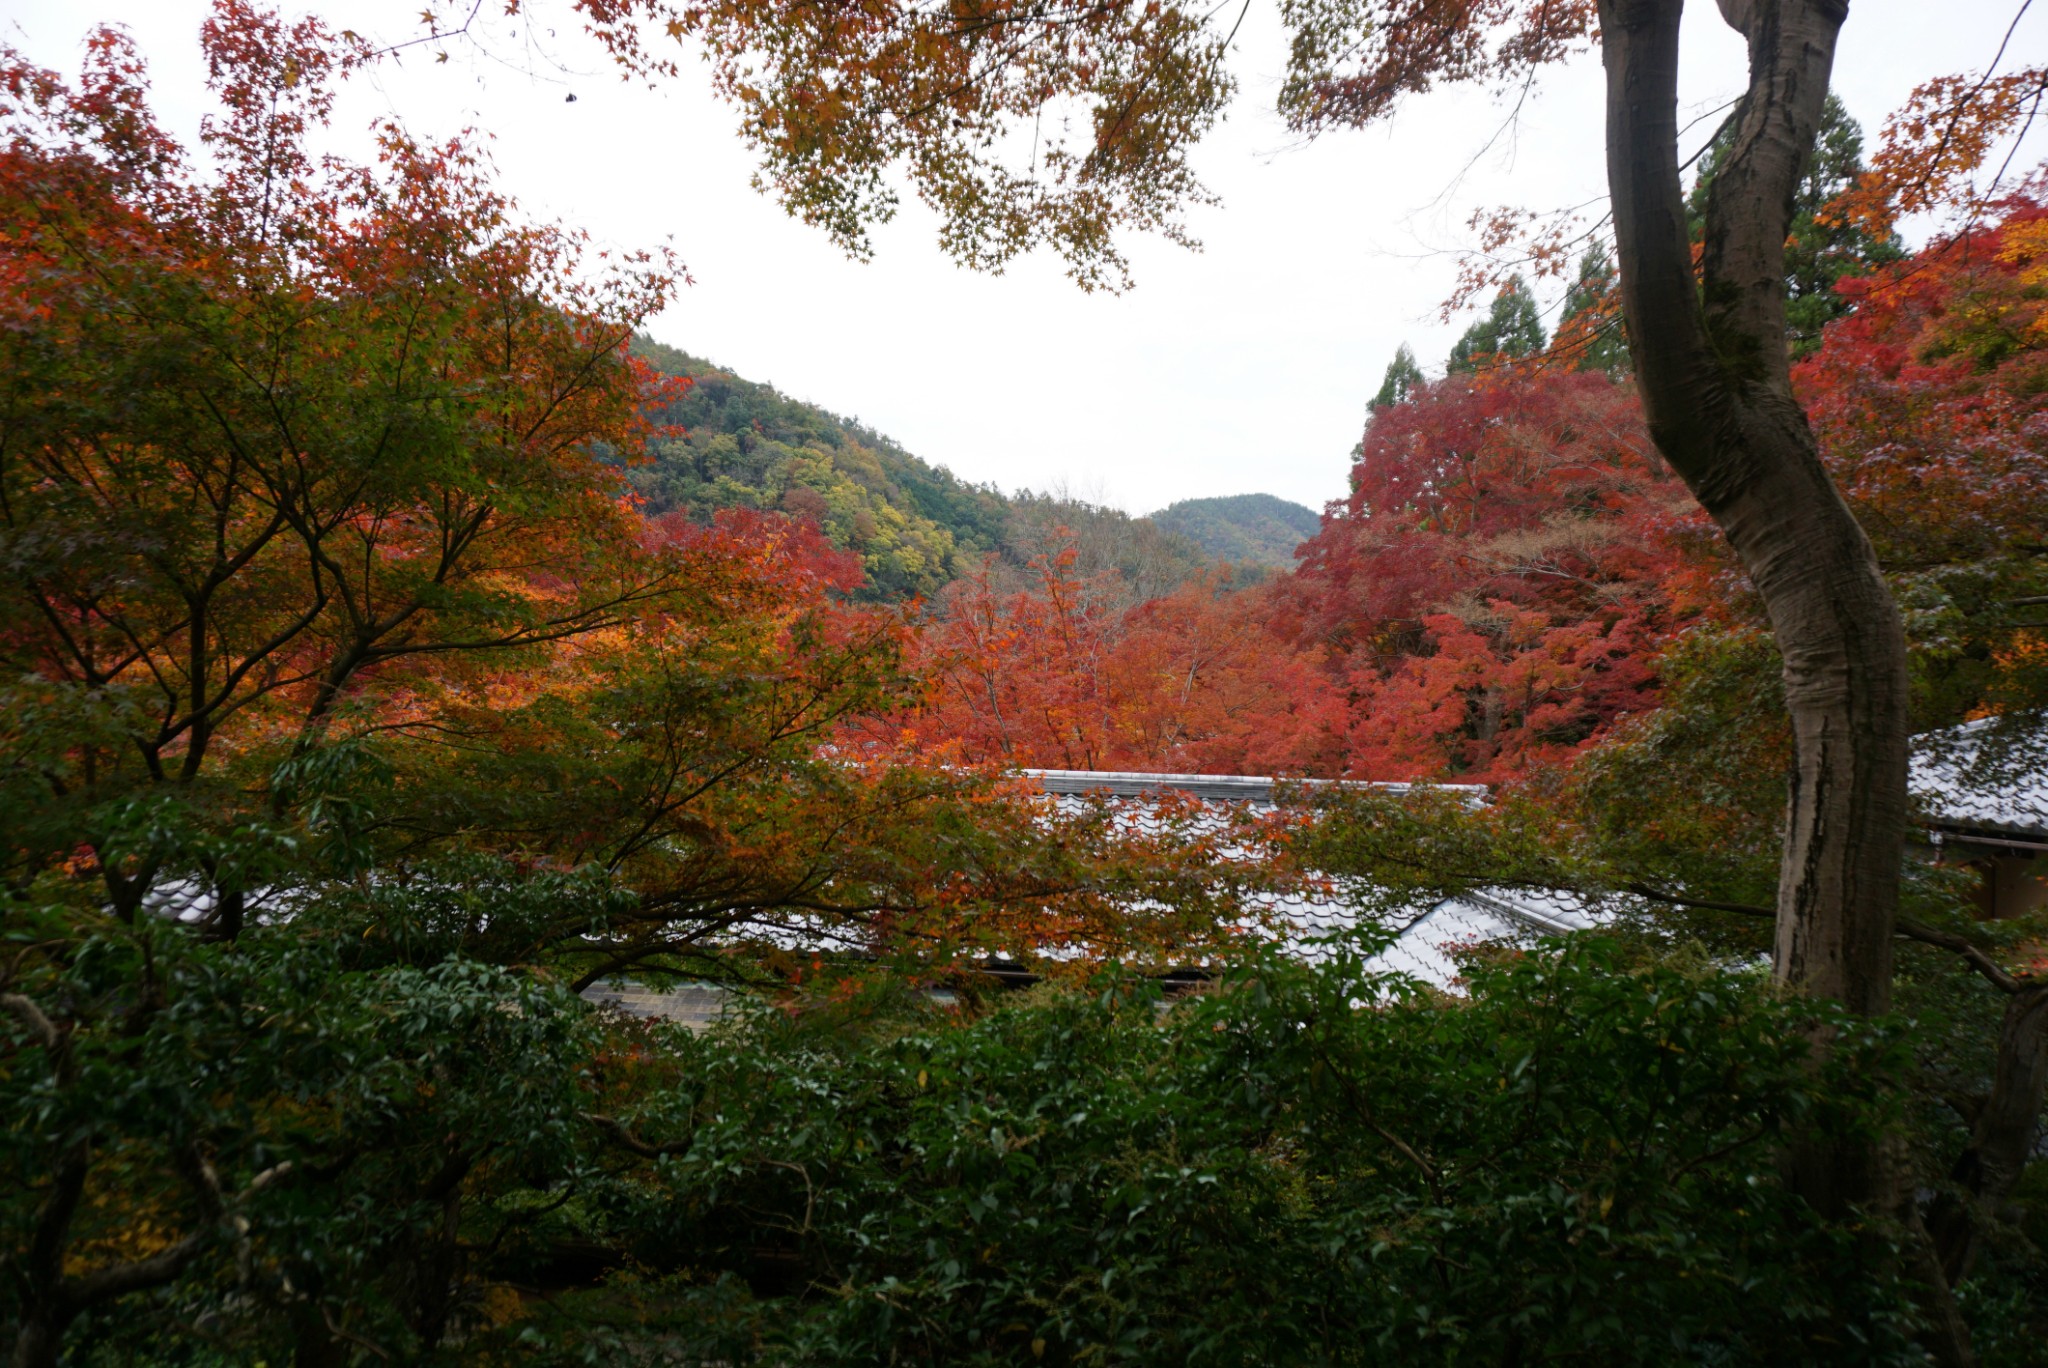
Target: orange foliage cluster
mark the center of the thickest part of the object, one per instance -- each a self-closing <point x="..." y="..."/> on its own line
<point x="1931" y="396"/>
<point x="290" y="437"/>
<point x="1054" y="674"/>
<point x="1935" y="146"/>
<point x="1484" y="603"/>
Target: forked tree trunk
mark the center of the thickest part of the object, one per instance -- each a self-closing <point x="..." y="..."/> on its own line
<point x="1712" y="366"/>
<point x="1708" y="344"/>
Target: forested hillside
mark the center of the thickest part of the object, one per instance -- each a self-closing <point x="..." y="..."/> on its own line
<point x="915" y="526"/>
<point x="1244" y="529"/>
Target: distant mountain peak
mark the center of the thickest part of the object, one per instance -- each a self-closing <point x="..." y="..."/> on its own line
<point x="1246" y="529"/>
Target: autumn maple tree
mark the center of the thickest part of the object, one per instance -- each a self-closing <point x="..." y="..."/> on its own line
<point x="1060" y="670"/>
<point x="355" y="716"/>
<point x="283" y="447"/>
<point x="280" y="444"/>
<point x="1510" y="554"/>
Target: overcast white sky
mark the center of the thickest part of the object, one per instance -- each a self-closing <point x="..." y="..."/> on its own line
<point x="1245" y="367"/>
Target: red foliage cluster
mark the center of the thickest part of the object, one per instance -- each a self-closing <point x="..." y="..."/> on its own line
<point x="1930" y="398"/>
<point x="1496" y="581"/>
<point x="1485" y="601"/>
<point x="1055" y="674"/>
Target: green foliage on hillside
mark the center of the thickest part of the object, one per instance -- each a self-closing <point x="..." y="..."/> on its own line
<point x="746" y="445"/>
<point x="1245" y="529"/>
<point x="1150" y="560"/>
<point x="915" y="526"/>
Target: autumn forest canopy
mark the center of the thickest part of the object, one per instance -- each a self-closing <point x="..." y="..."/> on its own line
<point x="398" y="645"/>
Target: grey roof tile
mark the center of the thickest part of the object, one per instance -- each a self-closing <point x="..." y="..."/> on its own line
<point x="1990" y="775"/>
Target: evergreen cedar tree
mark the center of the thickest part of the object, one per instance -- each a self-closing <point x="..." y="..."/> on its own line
<point x="1589" y="329"/>
<point x="1402" y="379"/>
<point x="1511" y="331"/>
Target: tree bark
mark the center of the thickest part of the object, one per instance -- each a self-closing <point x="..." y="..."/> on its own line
<point x="2001" y="1136"/>
<point x="1712" y="367"/>
<point x="1708" y="342"/>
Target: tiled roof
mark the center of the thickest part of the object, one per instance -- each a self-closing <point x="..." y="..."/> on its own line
<point x="695" y="1005"/>
<point x="1251" y="788"/>
<point x="1988" y="777"/>
<point x="1426" y="949"/>
<point x="1961" y="783"/>
<point x="1422" y="950"/>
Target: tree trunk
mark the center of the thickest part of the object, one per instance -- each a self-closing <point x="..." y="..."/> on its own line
<point x="313" y="1344"/>
<point x="39" y="1281"/>
<point x="2001" y="1136"/>
<point x="36" y="1345"/>
<point x="1712" y="366"/>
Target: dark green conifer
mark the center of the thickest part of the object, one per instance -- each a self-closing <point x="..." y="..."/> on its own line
<point x="1605" y="345"/>
<point x="1403" y="378"/>
<point x="1511" y="329"/>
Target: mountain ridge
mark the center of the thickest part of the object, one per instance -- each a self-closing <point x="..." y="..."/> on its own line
<point x="915" y="525"/>
<point x="1244" y="529"/>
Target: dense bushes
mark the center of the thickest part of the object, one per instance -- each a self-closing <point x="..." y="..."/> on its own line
<point x="1298" y="1167"/>
<point x="451" y="1163"/>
